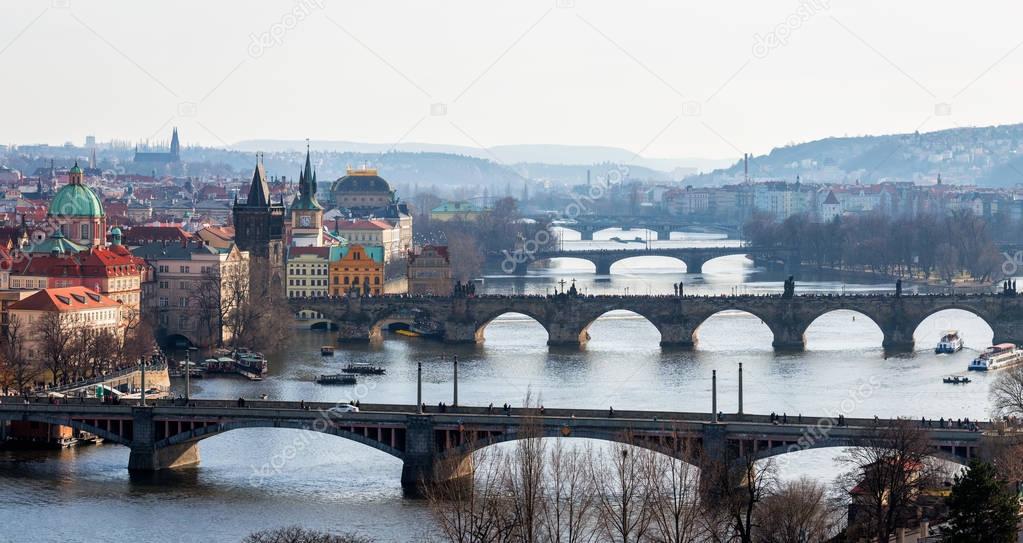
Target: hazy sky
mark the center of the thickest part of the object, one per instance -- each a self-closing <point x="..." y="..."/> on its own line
<point x="666" y="79"/>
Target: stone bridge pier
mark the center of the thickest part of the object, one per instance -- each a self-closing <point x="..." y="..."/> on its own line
<point x="145" y="454"/>
<point x="425" y="466"/>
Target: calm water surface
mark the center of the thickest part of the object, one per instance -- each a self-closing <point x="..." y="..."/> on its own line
<point x="334" y="484"/>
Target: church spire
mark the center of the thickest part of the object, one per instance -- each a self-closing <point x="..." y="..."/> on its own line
<point x="259" y="190"/>
<point x="307" y="186"/>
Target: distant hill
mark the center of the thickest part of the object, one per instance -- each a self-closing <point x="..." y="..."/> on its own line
<point x="988" y="156"/>
<point x="504" y="154"/>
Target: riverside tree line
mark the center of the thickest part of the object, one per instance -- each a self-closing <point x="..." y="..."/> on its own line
<point x="948" y="247"/>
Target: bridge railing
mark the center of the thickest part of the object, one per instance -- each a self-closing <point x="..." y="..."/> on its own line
<point x="667" y="417"/>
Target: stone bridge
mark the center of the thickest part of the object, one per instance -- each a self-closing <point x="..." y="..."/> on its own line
<point x="567" y="318"/>
<point x="693" y="257"/>
<point x="434" y="445"/>
<point x="663" y="226"/>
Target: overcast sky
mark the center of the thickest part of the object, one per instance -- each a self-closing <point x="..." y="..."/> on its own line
<point x="665" y="79"/>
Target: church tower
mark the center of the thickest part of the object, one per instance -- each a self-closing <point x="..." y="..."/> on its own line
<point x="306" y="211"/>
<point x="175" y="146"/>
<point x="259" y="229"/>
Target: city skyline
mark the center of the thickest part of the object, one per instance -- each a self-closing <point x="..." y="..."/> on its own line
<point x="582" y="73"/>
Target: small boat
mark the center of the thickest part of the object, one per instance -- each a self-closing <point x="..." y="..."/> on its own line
<point x="407" y="333"/>
<point x="950" y="342"/>
<point x="363" y="368"/>
<point x="327" y="350"/>
<point x="956" y="379"/>
<point x="996" y="357"/>
<point x="250" y="361"/>
<point x="336" y="379"/>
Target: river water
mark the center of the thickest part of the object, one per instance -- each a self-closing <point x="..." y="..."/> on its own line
<point x="325" y="482"/>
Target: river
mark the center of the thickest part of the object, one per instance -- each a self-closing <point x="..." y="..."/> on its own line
<point x="321" y="481"/>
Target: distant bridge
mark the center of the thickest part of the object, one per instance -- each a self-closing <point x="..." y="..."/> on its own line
<point x="567" y="319"/>
<point x="433" y="445"/>
<point x="693" y="257"/>
<point x="588" y="225"/>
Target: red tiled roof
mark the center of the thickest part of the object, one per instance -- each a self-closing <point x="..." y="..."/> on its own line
<point x="64" y="300"/>
<point x="363" y="225"/>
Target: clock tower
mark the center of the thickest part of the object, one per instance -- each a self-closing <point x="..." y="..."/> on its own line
<point x="306" y="212"/>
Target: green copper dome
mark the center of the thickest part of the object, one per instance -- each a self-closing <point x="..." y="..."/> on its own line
<point x="75" y="168"/>
<point x="73" y="200"/>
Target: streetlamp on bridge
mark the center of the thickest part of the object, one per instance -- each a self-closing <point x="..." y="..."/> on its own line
<point x="455" y="402"/>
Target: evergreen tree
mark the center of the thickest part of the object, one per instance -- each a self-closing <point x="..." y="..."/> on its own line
<point x="981" y="508"/>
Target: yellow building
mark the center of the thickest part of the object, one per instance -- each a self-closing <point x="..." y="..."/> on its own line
<point x="356" y="267"/>
<point x="467" y="211"/>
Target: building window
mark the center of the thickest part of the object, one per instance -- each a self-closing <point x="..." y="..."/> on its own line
<point x="164" y="269"/>
<point x="163" y="284"/>
<point x="85" y="231"/>
<point x="184" y="269"/>
<point x="163" y="301"/>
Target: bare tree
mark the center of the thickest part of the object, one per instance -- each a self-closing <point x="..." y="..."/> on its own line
<point x="17" y="368"/>
<point x="525" y="471"/>
<point x="1007" y="393"/>
<point x="621" y="494"/>
<point x="471" y="509"/>
<point x="673" y="484"/>
<point x="798" y="512"/>
<point x="55" y="339"/>
<point x="295" y="534"/>
<point x="569" y="503"/>
<point x="734" y="493"/>
<point x="888" y="473"/>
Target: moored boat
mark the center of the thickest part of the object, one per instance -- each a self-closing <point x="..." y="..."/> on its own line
<point x="327" y="350"/>
<point x="950" y="342"/>
<point x="956" y="379"/>
<point x="336" y="379"/>
<point x="363" y="369"/>
<point x="996" y="357"/>
<point x="407" y="333"/>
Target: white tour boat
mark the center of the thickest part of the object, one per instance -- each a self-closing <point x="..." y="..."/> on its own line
<point x="998" y="356"/>
<point x="950" y="342"/>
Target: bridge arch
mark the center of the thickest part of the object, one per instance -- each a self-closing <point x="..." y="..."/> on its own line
<point x="960" y="455"/>
<point x="582" y="264"/>
<point x="76" y="425"/>
<point x="677" y="445"/>
<point x="481" y="324"/>
<point x="857" y="319"/>
<point x="625" y="312"/>
<point x="684" y="268"/>
<point x="930" y="334"/>
<point x="778" y="335"/>
<point x="392" y="444"/>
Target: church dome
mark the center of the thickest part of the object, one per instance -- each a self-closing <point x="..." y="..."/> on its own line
<point x="75" y="200"/>
<point x="361" y="180"/>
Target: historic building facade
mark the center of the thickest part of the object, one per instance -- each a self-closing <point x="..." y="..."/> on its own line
<point x="259" y="231"/>
<point x="358" y="270"/>
<point x="192" y="283"/>
<point x="429" y="271"/>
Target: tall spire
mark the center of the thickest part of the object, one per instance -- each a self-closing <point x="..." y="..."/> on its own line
<point x="175" y="145"/>
<point x="307" y="185"/>
<point x="259" y="190"/>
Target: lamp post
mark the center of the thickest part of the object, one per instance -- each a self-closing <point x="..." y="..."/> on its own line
<point x="188" y="373"/>
<point x="714" y="393"/>
<point x="419" y="389"/>
<point x="740" y="388"/>
<point x="455" y="402"/>
<point x="142" y="395"/>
